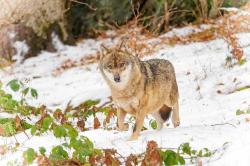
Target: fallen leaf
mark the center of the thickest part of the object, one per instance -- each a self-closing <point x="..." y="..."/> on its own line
<point x="97" y="123"/>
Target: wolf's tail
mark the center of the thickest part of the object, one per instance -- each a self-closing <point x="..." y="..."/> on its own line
<point x="165" y="112"/>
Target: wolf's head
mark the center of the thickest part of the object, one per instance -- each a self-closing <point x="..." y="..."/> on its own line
<point x="116" y="66"/>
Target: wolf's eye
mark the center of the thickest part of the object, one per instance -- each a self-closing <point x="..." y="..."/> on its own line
<point x="122" y="64"/>
<point x="109" y="66"/>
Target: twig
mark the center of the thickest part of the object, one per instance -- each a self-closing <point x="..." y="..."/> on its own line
<point x="83" y="3"/>
<point x="26" y="134"/>
<point x="220" y="124"/>
<point x="104" y="104"/>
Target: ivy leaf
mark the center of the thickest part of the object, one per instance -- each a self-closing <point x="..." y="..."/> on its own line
<point x="207" y="153"/>
<point x="58" y="153"/>
<point x="14" y="85"/>
<point x="47" y="122"/>
<point x="25" y="91"/>
<point x="59" y="131"/>
<point x="239" y="112"/>
<point x="29" y="155"/>
<point x="193" y="152"/>
<point x="153" y="124"/>
<point x="33" y="93"/>
<point x="42" y="150"/>
<point x="25" y="125"/>
<point x="200" y="153"/>
<point x="33" y="130"/>
<point x="90" y="103"/>
<point x="170" y="157"/>
<point x="186" y="148"/>
<point x="72" y="133"/>
<point x="8" y="128"/>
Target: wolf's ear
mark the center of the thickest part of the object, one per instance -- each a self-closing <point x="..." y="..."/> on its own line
<point x="120" y="45"/>
<point x="127" y="49"/>
<point x="104" y="50"/>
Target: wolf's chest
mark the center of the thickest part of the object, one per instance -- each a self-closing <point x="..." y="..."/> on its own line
<point x="129" y="105"/>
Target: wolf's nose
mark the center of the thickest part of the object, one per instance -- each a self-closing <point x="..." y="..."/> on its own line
<point x="117" y="78"/>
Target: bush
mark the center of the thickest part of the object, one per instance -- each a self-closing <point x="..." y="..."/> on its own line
<point x="156" y="15"/>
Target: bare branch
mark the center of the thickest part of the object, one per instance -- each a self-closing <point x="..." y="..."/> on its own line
<point x="83" y="3"/>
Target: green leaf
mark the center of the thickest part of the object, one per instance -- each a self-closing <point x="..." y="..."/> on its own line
<point x="243" y="88"/>
<point x="193" y="152"/>
<point x="153" y="124"/>
<point x="33" y="130"/>
<point x="2" y="93"/>
<point x="29" y="155"/>
<point x="72" y="133"/>
<point x="5" y="120"/>
<point x="14" y="85"/>
<point x="33" y="93"/>
<point x="58" y="153"/>
<point x="47" y="121"/>
<point x="42" y="150"/>
<point x="185" y="147"/>
<point x="181" y="160"/>
<point x="59" y="131"/>
<point x="207" y="153"/>
<point x="8" y="128"/>
<point x="66" y="145"/>
<point x="90" y="103"/>
<point x="239" y="112"/>
<point x="170" y="157"/>
<point x="200" y="153"/>
<point x="25" y="125"/>
<point x="83" y="147"/>
<point x="242" y="61"/>
<point x="25" y="91"/>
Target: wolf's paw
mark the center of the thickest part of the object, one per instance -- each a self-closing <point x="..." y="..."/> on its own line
<point x="176" y="123"/>
<point x="124" y="127"/>
<point x="133" y="138"/>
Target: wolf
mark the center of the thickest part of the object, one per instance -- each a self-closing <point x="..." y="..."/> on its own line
<point x="140" y="88"/>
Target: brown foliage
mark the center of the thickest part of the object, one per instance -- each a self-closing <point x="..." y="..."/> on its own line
<point x="131" y="160"/>
<point x="58" y="115"/>
<point x="18" y="122"/>
<point x="152" y="156"/>
<point x="97" y="123"/>
<point x="110" y="159"/>
<point x="81" y="125"/>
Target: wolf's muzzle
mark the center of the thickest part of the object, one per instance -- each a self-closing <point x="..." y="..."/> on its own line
<point x="117" y="78"/>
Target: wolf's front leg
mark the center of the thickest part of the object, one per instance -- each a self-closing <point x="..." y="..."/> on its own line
<point x="120" y="118"/>
<point x="138" y="125"/>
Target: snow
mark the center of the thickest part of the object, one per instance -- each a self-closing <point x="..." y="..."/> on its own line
<point x="22" y="49"/>
<point x="208" y="118"/>
<point x="185" y="31"/>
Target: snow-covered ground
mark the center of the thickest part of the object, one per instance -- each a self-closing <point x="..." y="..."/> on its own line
<point x="207" y="104"/>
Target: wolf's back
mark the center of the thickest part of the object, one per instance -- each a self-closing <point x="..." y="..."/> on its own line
<point x="158" y="70"/>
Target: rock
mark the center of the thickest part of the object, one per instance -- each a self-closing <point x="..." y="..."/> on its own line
<point x="18" y="42"/>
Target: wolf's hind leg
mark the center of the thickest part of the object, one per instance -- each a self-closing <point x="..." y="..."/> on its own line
<point x="120" y="118"/>
<point x="175" y="116"/>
